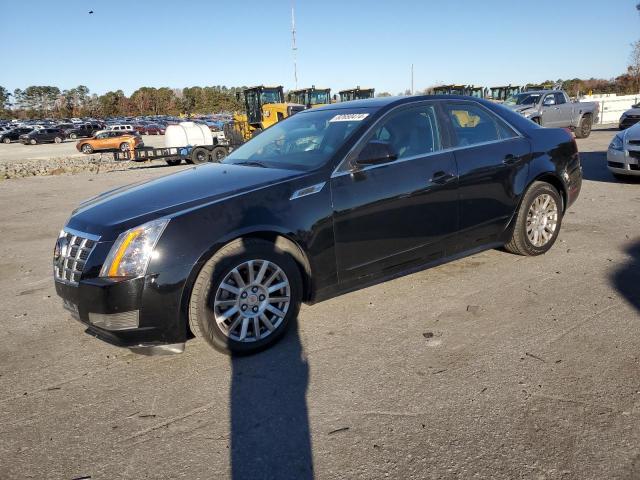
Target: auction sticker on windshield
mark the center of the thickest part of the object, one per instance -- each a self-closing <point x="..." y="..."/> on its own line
<point x="349" y="117"/>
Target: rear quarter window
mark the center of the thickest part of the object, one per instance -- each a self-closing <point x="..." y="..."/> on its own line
<point x="473" y="125"/>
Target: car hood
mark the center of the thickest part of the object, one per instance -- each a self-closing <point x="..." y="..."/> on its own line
<point x="117" y="210"/>
<point x="520" y="108"/>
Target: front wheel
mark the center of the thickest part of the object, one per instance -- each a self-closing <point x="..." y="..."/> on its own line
<point x="125" y="147"/>
<point x="174" y="162"/>
<point x="538" y="221"/>
<point x="6" y="140"/>
<point x="58" y="139"/>
<point x="245" y="297"/>
<point x="73" y="136"/>
<point x="33" y="141"/>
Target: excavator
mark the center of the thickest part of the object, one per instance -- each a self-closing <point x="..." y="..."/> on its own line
<point x="263" y="106"/>
<point x="310" y="97"/>
<point x="356" y="94"/>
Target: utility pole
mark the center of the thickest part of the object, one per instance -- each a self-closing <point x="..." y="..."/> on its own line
<point x="294" y="49"/>
<point x="412" y="79"/>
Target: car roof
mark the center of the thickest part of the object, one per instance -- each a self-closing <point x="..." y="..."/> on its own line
<point x="380" y="102"/>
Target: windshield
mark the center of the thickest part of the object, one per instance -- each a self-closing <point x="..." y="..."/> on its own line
<point x="304" y="141"/>
<point x="270" y="96"/>
<point x="523" y="99"/>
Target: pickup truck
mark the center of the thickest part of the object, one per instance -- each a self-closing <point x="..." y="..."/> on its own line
<point x="553" y="108"/>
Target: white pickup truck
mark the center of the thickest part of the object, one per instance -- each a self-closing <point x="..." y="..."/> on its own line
<point x="553" y="108"/>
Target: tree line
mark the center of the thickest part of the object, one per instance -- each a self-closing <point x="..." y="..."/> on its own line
<point x="39" y="101"/>
<point x="45" y="101"/>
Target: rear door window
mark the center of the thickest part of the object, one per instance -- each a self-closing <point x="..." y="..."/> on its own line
<point x="473" y="125"/>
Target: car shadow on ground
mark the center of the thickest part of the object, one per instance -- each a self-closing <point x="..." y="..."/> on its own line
<point x="627" y="279"/>
<point x="594" y="168"/>
<point x="270" y="434"/>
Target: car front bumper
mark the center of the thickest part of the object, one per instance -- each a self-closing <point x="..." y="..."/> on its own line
<point x="626" y="122"/>
<point x="623" y="162"/>
<point x="134" y="313"/>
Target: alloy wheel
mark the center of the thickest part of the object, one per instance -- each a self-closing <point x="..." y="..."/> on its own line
<point x="542" y="220"/>
<point x="252" y="301"/>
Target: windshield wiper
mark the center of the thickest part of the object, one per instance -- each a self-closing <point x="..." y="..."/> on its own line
<point x="251" y="164"/>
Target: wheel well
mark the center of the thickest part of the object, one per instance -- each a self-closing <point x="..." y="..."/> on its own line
<point x="557" y="184"/>
<point x="282" y="242"/>
<point x="292" y="248"/>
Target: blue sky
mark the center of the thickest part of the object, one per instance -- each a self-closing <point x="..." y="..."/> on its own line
<point x="127" y="44"/>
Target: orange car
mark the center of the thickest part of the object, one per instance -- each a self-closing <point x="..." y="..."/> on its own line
<point x="109" y="140"/>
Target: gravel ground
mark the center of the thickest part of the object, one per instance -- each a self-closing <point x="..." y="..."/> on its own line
<point x="494" y="366"/>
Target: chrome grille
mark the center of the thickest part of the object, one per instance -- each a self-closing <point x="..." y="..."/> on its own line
<point x="70" y="255"/>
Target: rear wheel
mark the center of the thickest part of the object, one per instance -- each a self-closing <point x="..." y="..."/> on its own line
<point x="218" y="153"/>
<point x="33" y="141"/>
<point x="584" y="129"/>
<point x="86" y="148"/>
<point x="73" y="136"/>
<point x="538" y="221"/>
<point x="245" y="296"/>
<point x="58" y="139"/>
<point x="125" y="147"/>
<point x="6" y="140"/>
<point x="200" y="155"/>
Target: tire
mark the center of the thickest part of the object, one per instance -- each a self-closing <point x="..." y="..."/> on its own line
<point x="256" y="132"/>
<point x="536" y="121"/>
<point x="33" y="141"/>
<point x="125" y="147"/>
<point x="218" y="153"/>
<point x="200" y="155"/>
<point x="86" y="148"/>
<point x="6" y="140"/>
<point x="173" y="163"/>
<point x="584" y="129"/>
<point x="73" y="136"/>
<point x="521" y="242"/>
<point x="57" y="140"/>
<point x="207" y="290"/>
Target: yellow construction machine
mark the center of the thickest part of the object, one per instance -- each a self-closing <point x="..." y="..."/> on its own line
<point x="263" y="107"/>
<point x="310" y="97"/>
<point x="356" y="94"/>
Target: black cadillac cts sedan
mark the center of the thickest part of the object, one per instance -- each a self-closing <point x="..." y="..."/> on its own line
<point x="330" y="200"/>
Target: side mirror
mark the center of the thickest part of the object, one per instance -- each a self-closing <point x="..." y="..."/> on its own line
<point x="375" y="152"/>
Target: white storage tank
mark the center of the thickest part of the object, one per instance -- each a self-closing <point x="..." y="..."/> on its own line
<point x="187" y="134"/>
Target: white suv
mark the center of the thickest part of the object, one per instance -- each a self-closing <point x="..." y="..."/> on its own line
<point x="121" y="128"/>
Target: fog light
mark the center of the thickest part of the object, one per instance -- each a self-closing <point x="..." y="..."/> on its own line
<point x="115" y="321"/>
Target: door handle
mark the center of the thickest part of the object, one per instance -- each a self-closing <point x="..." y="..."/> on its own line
<point x="510" y="159"/>
<point x="441" y="177"/>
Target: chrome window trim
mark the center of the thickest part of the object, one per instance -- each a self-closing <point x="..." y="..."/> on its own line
<point x="336" y="173"/>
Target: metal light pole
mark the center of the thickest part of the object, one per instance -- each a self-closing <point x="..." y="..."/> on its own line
<point x="294" y="49"/>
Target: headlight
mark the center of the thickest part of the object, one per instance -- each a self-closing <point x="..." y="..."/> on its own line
<point x="617" y="143"/>
<point x="130" y="254"/>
